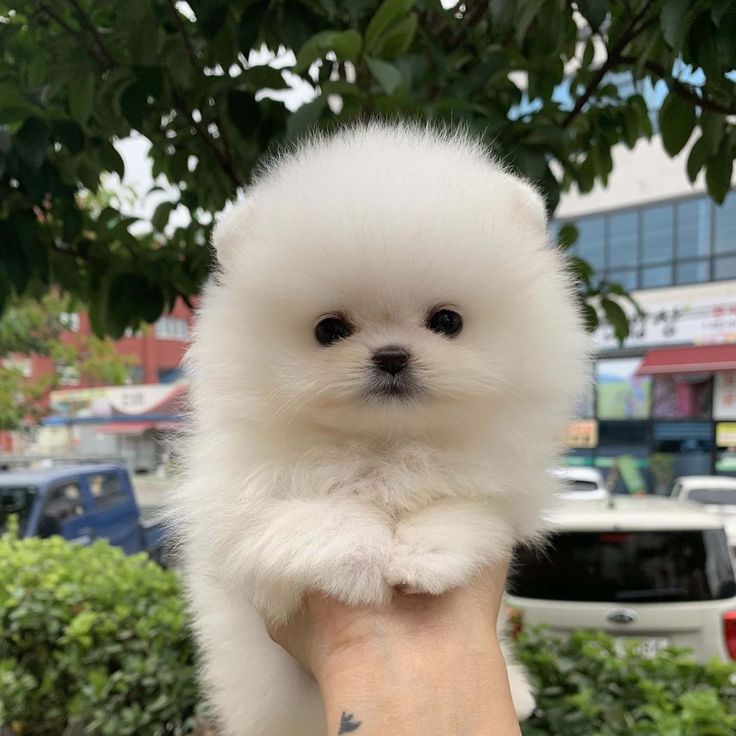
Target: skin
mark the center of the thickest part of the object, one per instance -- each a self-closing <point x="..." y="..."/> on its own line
<point x="428" y="665"/>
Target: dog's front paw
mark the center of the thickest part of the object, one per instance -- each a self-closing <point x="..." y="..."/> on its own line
<point x="358" y="580"/>
<point x="422" y="569"/>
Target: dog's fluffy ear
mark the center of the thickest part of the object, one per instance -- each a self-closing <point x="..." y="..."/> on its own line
<point x="529" y="201"/>
<point x="233" y="231"/>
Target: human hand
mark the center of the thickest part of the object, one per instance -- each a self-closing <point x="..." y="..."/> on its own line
<point x="420" y="659"/>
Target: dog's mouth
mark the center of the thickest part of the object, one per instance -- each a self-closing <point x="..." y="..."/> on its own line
<point x="384" y="388"/>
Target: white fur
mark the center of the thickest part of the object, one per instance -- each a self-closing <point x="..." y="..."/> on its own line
<point x="294" y="482"/>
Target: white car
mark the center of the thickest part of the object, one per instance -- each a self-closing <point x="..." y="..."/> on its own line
<point x="582" y="483"/>
<point x="715" y="493"/>
<point x="648" y="568"/>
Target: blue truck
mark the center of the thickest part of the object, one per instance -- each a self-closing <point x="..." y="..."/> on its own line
<point x="81" y="503"/>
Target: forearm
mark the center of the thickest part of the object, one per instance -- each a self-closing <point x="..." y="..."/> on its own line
<point x="430" y="688"/>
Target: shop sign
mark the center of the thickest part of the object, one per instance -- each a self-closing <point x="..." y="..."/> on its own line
<point x="114" y="400"/>
<point x="724" y="395"/>
<point x="726" y="434"/>
<point x="696" y="321"/>
<point x="582" y="434"/>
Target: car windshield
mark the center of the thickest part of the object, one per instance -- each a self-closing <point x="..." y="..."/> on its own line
<point x="16" y="501"/>
<point x="634" y="566"/>
<point x="581" y="485"/>
<point x="713" y="496"/>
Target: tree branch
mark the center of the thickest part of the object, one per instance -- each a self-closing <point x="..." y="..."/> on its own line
<point x="74" y="33"/>
<point x="225" y="161"/>
<point x="100" y="53"/>
<point x="685" y="90"/>
<point x="191" y="53"/>
<point x="614" y="57"/>
<point x="84" y="19"/>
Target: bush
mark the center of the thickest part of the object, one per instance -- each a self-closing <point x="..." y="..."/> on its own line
<point x="584" y="688"/>
<point x="92" y="641"/>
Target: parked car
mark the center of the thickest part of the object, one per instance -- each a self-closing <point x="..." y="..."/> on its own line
<point x="81" y="503"/>
<point x="647" y="568"/>
<point x="582" y="483"/>
<point x="715" y="493"/>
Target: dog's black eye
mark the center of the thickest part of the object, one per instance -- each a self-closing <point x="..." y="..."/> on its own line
<point x="332" y="329"/>
<point x="445" y="322"/>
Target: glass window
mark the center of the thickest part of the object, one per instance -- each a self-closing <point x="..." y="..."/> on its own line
<point x="625" y="277"/>
<point x="172" y="328"/>
<point x="106" y="490"/>
<point x="62" y="504"/>
<point x="692" y="272"/>
<point x="621" y="393"/>
<point x="168" y="375"/>
<point x="693" y="228"/>
<point x="725" y="230"/>
<point x="680" y="398"/>
<point x="626" y="566"/>
<point x="590" y="241"/>
<point x="16" y="501"/>
<point x="713" y="496"/>
<point x="724" y="267"/>
<point x="623" y="239"/>
<point x="657" y="233"/>
<point x="654" y="276"/>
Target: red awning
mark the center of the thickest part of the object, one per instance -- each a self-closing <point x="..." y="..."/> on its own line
<point x="698" y="359"/>
<point x="126" y="427"/>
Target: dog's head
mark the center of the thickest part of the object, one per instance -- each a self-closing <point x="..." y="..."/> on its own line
<point x="387" y="280"/>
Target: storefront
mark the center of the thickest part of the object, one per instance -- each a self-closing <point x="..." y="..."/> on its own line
<point x="126" y="422"/>
<point x="667" y="397"/>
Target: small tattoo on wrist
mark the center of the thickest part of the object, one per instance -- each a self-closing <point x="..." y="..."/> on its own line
<point x="348" y="723"/>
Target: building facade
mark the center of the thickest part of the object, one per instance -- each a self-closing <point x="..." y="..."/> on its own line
<point x="667" y="395"/>
<point x="156" y="349"/>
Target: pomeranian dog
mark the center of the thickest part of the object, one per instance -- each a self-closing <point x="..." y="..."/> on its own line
<point x="380" y="373"/>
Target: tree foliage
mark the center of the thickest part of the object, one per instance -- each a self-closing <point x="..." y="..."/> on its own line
<point x="552" y="84"/>
<point x="41" y="327"/>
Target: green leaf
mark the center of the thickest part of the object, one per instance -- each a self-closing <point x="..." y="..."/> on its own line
<point x="672" y="22"/>
<point x="211" y="15"/>
<point x="70" y="134"/>
<point x="594" y="11"/>
<point x="590" y="318"/>
<point x="527" y="11"/>
<point x="14" y="105"/>
<point x="134" y="103"/>
<point x="346" y="46"/>
<point x="397" y="40"/>
<point x="713" y="126"/>
<point x="31" y="142"/>
<point x="387" y="75"/>
<point x="696" y="159"/>
<point x="250" y="25"/>
<point x="616" y="317"/>
<point x="388" y="13"/>
<point x="263" y="77"/>
<point x="502" y="13"/>
<point x="567" y="235"/>
<point x="242" y="109"/>
<point x="81" y="97"/>
<point x="161" y="215"/>
<point x="676" y="122"/>
<point x="305" y="116"/>
<point x="718" y="172"/>
<point x="111" y="160"/>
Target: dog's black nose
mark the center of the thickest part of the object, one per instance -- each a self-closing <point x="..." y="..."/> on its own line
<point x="391" y="359"/>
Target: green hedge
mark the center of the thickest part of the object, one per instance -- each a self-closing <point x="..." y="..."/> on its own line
<point x="93" y="638"/>
<point x="585" y="688"/>
<point x="97" y="640"/>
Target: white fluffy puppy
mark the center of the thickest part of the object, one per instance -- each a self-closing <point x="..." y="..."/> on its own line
<point x="381" y="370"/>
